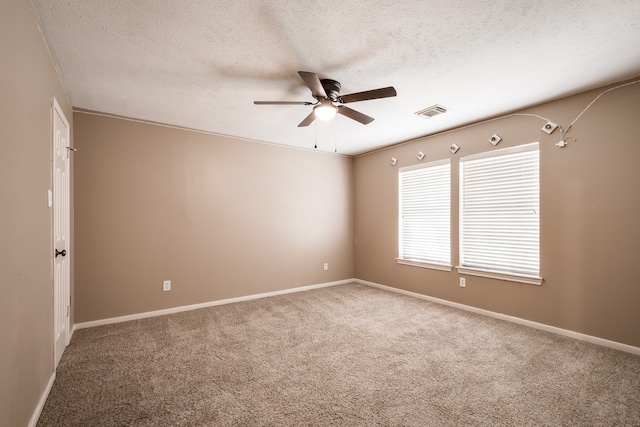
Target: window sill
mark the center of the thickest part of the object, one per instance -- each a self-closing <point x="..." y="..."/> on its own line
<point x="424" y="264"/>
<point x="529" y="280"/>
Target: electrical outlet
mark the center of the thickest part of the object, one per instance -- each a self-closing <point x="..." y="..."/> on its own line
<point x="495" y="139"/>
<point x="463" y="282"/>
<point x="166" y="285"/>
<point x="549" y="127"/>
<point x="326" y="266"/>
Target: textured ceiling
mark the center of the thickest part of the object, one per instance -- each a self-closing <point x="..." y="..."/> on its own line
<point x="200" y="63"/>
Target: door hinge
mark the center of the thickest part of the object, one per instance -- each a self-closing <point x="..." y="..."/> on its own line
<point x="68" y="311"/>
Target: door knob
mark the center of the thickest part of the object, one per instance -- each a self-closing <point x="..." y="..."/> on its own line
<point x="62" y="252"/>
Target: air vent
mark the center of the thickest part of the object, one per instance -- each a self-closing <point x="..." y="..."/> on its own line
<point x="429" y="112"/>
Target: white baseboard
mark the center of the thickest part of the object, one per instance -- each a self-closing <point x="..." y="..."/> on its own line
<point x="565" y="332"/>
<point x="203" y="305"/>
<point x="43" y="399"/>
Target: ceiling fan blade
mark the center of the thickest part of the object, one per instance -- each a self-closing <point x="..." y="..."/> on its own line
<point x="355" y="115"/>
<point x="308" y="120"/>
<point x="313" y="82"/>
<point x="282" y="103"/>
<point x="385" y="92"/>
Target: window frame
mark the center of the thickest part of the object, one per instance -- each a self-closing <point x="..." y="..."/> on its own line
<point x="502" y="274"/>
<point x="425" y="263"/>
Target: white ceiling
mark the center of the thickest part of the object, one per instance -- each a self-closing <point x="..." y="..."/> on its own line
<point x="201" y="63"/>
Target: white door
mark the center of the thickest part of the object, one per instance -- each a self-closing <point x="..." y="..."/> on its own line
<point x="61" y="226"/>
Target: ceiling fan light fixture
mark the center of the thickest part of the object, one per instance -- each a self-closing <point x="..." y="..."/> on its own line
<point x="325" y="110"/>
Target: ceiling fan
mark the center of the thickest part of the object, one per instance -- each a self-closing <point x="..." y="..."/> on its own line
<point x="327" y="92"/>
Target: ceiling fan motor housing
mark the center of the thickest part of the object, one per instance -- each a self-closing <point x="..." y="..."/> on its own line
<point x="332" y="88"/>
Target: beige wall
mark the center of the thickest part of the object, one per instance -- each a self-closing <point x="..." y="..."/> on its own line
<point x="27" y="82"/>
<point x="219" y="217"/>
<point x="590" y="210"/>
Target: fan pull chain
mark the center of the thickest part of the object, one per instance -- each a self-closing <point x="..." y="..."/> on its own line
<point x="335" y="135"/>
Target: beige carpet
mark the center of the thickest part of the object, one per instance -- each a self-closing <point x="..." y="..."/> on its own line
<point x="347" y="355"/>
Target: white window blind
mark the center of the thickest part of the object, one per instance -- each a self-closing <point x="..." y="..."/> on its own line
<point x="425" y="214"/>
<point x="500" y="211"/>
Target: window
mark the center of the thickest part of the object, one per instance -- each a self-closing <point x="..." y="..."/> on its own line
<point x="500" y="214"/>
<point x="425" y="215"/>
